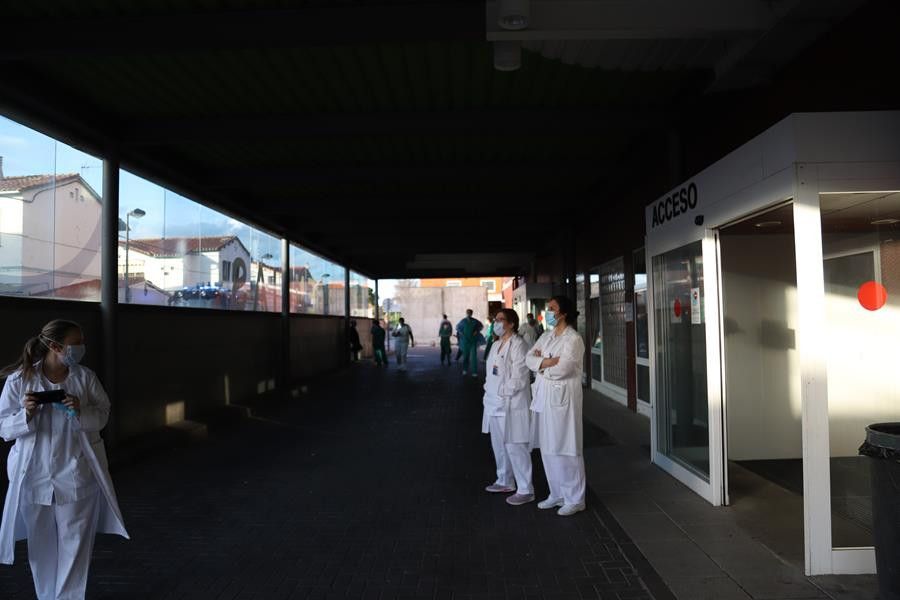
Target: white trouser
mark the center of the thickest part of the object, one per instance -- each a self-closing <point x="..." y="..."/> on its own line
<point x="513" y="460"/>
<point x="402" y="350"/>
<point x="60" y="542"/>
<point x="565" y="475"/>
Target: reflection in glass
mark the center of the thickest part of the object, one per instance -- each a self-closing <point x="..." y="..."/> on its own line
<point x="317" y="285"/>
<point x="176" y="252"/>
<point x="861" y="251"/>
<point x="50" y="217"/>
<point x="681" y="391"/>
<point x="612" y="308"/>
<point x="362" y="295"/>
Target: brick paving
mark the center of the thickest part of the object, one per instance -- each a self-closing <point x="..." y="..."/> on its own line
<point x="369" y="486"/>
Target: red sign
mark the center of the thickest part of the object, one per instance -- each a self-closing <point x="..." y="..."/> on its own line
<point x="872" y="295"/>
<point x="677" y="307"/>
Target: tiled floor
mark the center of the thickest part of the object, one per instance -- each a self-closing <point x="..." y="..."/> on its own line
<point x="369" y="486"/>
<point x="750" y="550"/>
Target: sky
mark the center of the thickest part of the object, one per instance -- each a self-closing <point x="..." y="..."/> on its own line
<point x="28" y="152"/>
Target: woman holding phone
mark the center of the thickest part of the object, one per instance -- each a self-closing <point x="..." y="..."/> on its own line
<point x="60" y="492"/>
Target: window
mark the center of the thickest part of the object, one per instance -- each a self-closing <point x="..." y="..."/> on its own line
<point x="362" y="296"/>
<point x="50" y="217"/>
<point x="317" y="284"/>
<point x="176" y="252"/>
<point x="490" y="284"/>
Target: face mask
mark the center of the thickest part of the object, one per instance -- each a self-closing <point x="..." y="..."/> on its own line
<point x="550" y="318"/>
<point x="498" y="329"/>
<point x="73" y="355"/>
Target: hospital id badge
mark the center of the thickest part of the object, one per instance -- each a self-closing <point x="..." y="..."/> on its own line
<point x="495" y="370"/>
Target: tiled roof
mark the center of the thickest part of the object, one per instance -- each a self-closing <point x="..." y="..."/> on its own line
<point x="24" y="182"/>
<point x="179" y="246"/>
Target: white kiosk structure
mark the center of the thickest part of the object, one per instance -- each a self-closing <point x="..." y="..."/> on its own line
<point x="774" y="280"/>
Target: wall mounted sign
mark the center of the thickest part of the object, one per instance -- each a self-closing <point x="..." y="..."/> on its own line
<point x="678" y="203"/>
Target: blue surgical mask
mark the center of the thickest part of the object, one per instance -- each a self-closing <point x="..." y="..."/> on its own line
<point x="550" y="318"/>
<point x="73" y="355"/>
<point x="498" y="329"/>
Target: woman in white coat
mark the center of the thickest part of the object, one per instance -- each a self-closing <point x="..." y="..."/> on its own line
<point x="557" y="359"/>
<point x="60" y="492"/>
<point x="507" y="417"/>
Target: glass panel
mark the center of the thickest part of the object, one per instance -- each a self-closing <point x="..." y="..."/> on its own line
<point x="596" y="329"/>
<point x="362" y="296"/>
<point x="640" y="269"/>
<point x="317" y="284"/>
<point x="861" y="251"/>
<point x="579" y="302"/>
<point x="682" y="403"/>
<point x="612" y="307"/>
<point x="762" y="378"/>
<point x="641" y="331"/>
<point x="176" y="252"/>
<point x="50" y="217"/>
<point x="643" y="383"/>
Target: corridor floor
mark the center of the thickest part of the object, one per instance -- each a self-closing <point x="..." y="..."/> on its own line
<point x="368" y="486"/>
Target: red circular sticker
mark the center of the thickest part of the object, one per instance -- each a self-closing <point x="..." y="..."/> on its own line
<point x="872" y="295"/>
<point x="677" y="307"/>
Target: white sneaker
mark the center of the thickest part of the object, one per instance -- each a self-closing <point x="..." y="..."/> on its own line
<point x="570" y="509"/>
<point x="550" y="503"/>
<point x="496" y="488"/>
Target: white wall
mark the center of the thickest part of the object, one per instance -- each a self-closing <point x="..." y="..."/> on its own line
<point x="762" y="377"/>
<point x="423" y="308"/>
<point x="862" y="356"/>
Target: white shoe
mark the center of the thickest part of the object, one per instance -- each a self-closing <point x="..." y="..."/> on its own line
<point x="496" y="488"/>
<point x="570" y="509"/>
<point x="550" y="503"/>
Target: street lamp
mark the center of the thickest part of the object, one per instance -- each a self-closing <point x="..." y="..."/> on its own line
<point x="325" y="284"/>
<point x="137" y="213"/>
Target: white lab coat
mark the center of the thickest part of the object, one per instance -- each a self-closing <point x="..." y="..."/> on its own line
<point x="528" y="333"/>
<point x="508" y="393"/>
<point x="82" y="383"/>
<point x="557" y="393"/>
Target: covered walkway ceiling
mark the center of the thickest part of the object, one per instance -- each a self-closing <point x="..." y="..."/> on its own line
<point x="378" y="132"/>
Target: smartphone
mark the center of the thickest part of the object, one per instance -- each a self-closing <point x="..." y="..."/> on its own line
<point x="49" y="396"/>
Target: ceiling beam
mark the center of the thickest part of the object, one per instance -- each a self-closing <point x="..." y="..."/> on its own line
<point x="506" y="122"/>
<point x="177" y="32"/>
<point x="635" y="19"/>
<point x="515" y="174"/>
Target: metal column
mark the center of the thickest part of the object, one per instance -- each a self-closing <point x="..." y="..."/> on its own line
<point x="109" y="287"/>
<point x="286" y="379"/>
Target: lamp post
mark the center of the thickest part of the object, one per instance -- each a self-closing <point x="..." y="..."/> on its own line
<point x="137" y="213"/>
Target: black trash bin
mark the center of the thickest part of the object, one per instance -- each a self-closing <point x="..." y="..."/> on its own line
<point x="883" y="446"/>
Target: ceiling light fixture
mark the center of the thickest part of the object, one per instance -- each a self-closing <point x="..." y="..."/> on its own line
<point x="888" y="221"/>
<point x="507" y="56"/>
<point x="513" y="15"/>
<point x="767" y="224"/>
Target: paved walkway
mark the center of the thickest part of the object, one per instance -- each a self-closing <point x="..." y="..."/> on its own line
<point x="751" y="550"/>
<point x="369" y="486"/>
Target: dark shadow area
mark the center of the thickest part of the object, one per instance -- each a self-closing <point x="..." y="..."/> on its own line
<point x="368" y="486"/>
